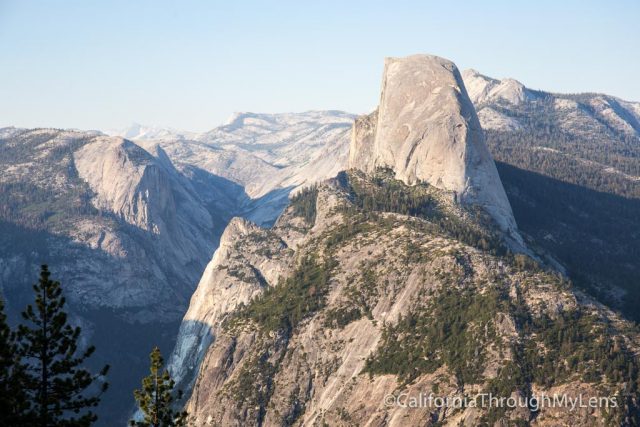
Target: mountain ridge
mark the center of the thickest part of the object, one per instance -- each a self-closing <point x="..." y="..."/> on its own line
<point x="611" y="111"/>
<point x="263" y="347"/>
<point x="314" y="345"/>
<point x="52" y="197"/>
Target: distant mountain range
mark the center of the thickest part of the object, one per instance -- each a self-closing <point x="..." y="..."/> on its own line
<point x="128" y="226"/>
<point x="403" y="276"/>
<point x="582" y="114"/>
<point x="128" y="220"/>
<point x="570" y="165"/>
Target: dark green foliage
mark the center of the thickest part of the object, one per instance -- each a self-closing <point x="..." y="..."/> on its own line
<point x="574" y="345"/>
<point x="283" y="306"/>
<point x="544" y="145"/>
<point x="564" y="195"/>
<point x="254" y="386"/>
<point x="511" y="376"/>
<point x="13" y="403"/>
<point x="55" y="382"/>
<point x="39" y="204"/>
<point x="342" y="316"/>
<point x="156" y="397"/>
<point x="361" y="298"/>
<point x="38" y="208"/>
<point x="383" y="193"/>
<point x="304" y="204"/>
<point x="358" y="224"/>
<point x="452" y="330"/>
<point x="575" y="342"/>
<point x="241" y="275"/>
<point x="457" y="325"/>
<point x="591" y="233"/>
<point x="523" y="262"/>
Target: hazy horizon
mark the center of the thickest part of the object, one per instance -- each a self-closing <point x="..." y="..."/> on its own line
<point x="190" y="66"/>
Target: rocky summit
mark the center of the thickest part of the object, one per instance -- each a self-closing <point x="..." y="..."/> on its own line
<point x="367" y="290"/>
<point x="129" y="226"/>
<point x="426" y="129"/>
<point x="394" y="272"/>
<point x="397" y="282"/>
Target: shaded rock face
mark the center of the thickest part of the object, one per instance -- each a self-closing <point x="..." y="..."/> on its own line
<point x="124" y="177"/>
<point x="148" y="193"/>
<point x="236" y="274"/>
<point x="128" y="227"/>
<point x="261" y="157"/>
<point x="381" y="267"/>
<point x="126" y="234"/>
<point x="363" y="137"/>
<point x="427" y="129"/>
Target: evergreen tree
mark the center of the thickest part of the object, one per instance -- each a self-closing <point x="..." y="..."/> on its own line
<point x="56" y="384"/>
<point x="156" y="397"/>
<point x="13" y="404"/>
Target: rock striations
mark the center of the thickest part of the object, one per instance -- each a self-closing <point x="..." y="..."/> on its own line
<point x="235" y="275"/>
<point x="426" y="129"/>
<point x="365" y="286"/>
<point x="346" y="301"/>
<point x="126" y="233"/>
<point x="379" y="284"/>
<point x="147" y="192"/>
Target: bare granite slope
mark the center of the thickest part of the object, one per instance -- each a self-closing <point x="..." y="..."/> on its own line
<point x="360" y="305"/>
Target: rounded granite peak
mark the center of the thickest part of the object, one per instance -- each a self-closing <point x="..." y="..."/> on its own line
<point x="421" y="59"/>
<point x="427" y="130"/>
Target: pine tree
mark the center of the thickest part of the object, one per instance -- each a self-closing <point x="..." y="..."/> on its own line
<point x="156" y="397"/>
<point x="60" y="390"/>
<point x="13" y="404"/>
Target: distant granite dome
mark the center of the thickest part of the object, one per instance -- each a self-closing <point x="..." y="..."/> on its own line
<point x="426" y="129"/>
<point x="485" y="89"/>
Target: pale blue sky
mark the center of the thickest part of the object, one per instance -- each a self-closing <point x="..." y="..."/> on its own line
<point x="190" y="64"/>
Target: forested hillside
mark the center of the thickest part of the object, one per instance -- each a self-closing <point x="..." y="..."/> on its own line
<point x="573" y="181"/>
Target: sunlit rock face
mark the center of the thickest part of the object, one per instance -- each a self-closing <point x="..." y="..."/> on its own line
<point x="426" y="129"/>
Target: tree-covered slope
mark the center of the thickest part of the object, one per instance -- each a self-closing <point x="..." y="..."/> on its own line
<point x="385" y="289"/>
<point x="571" y="170"/>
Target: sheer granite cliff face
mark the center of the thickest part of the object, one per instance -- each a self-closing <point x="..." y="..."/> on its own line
<point x="363" y="136"/>
<point x="343" y="306"/>
<point x="238" y="272"/>
<point x="126" y="234"/>
<point x="148" y="193"/>
<point x="389" y="281"/>
<point x="426" y="129"/>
